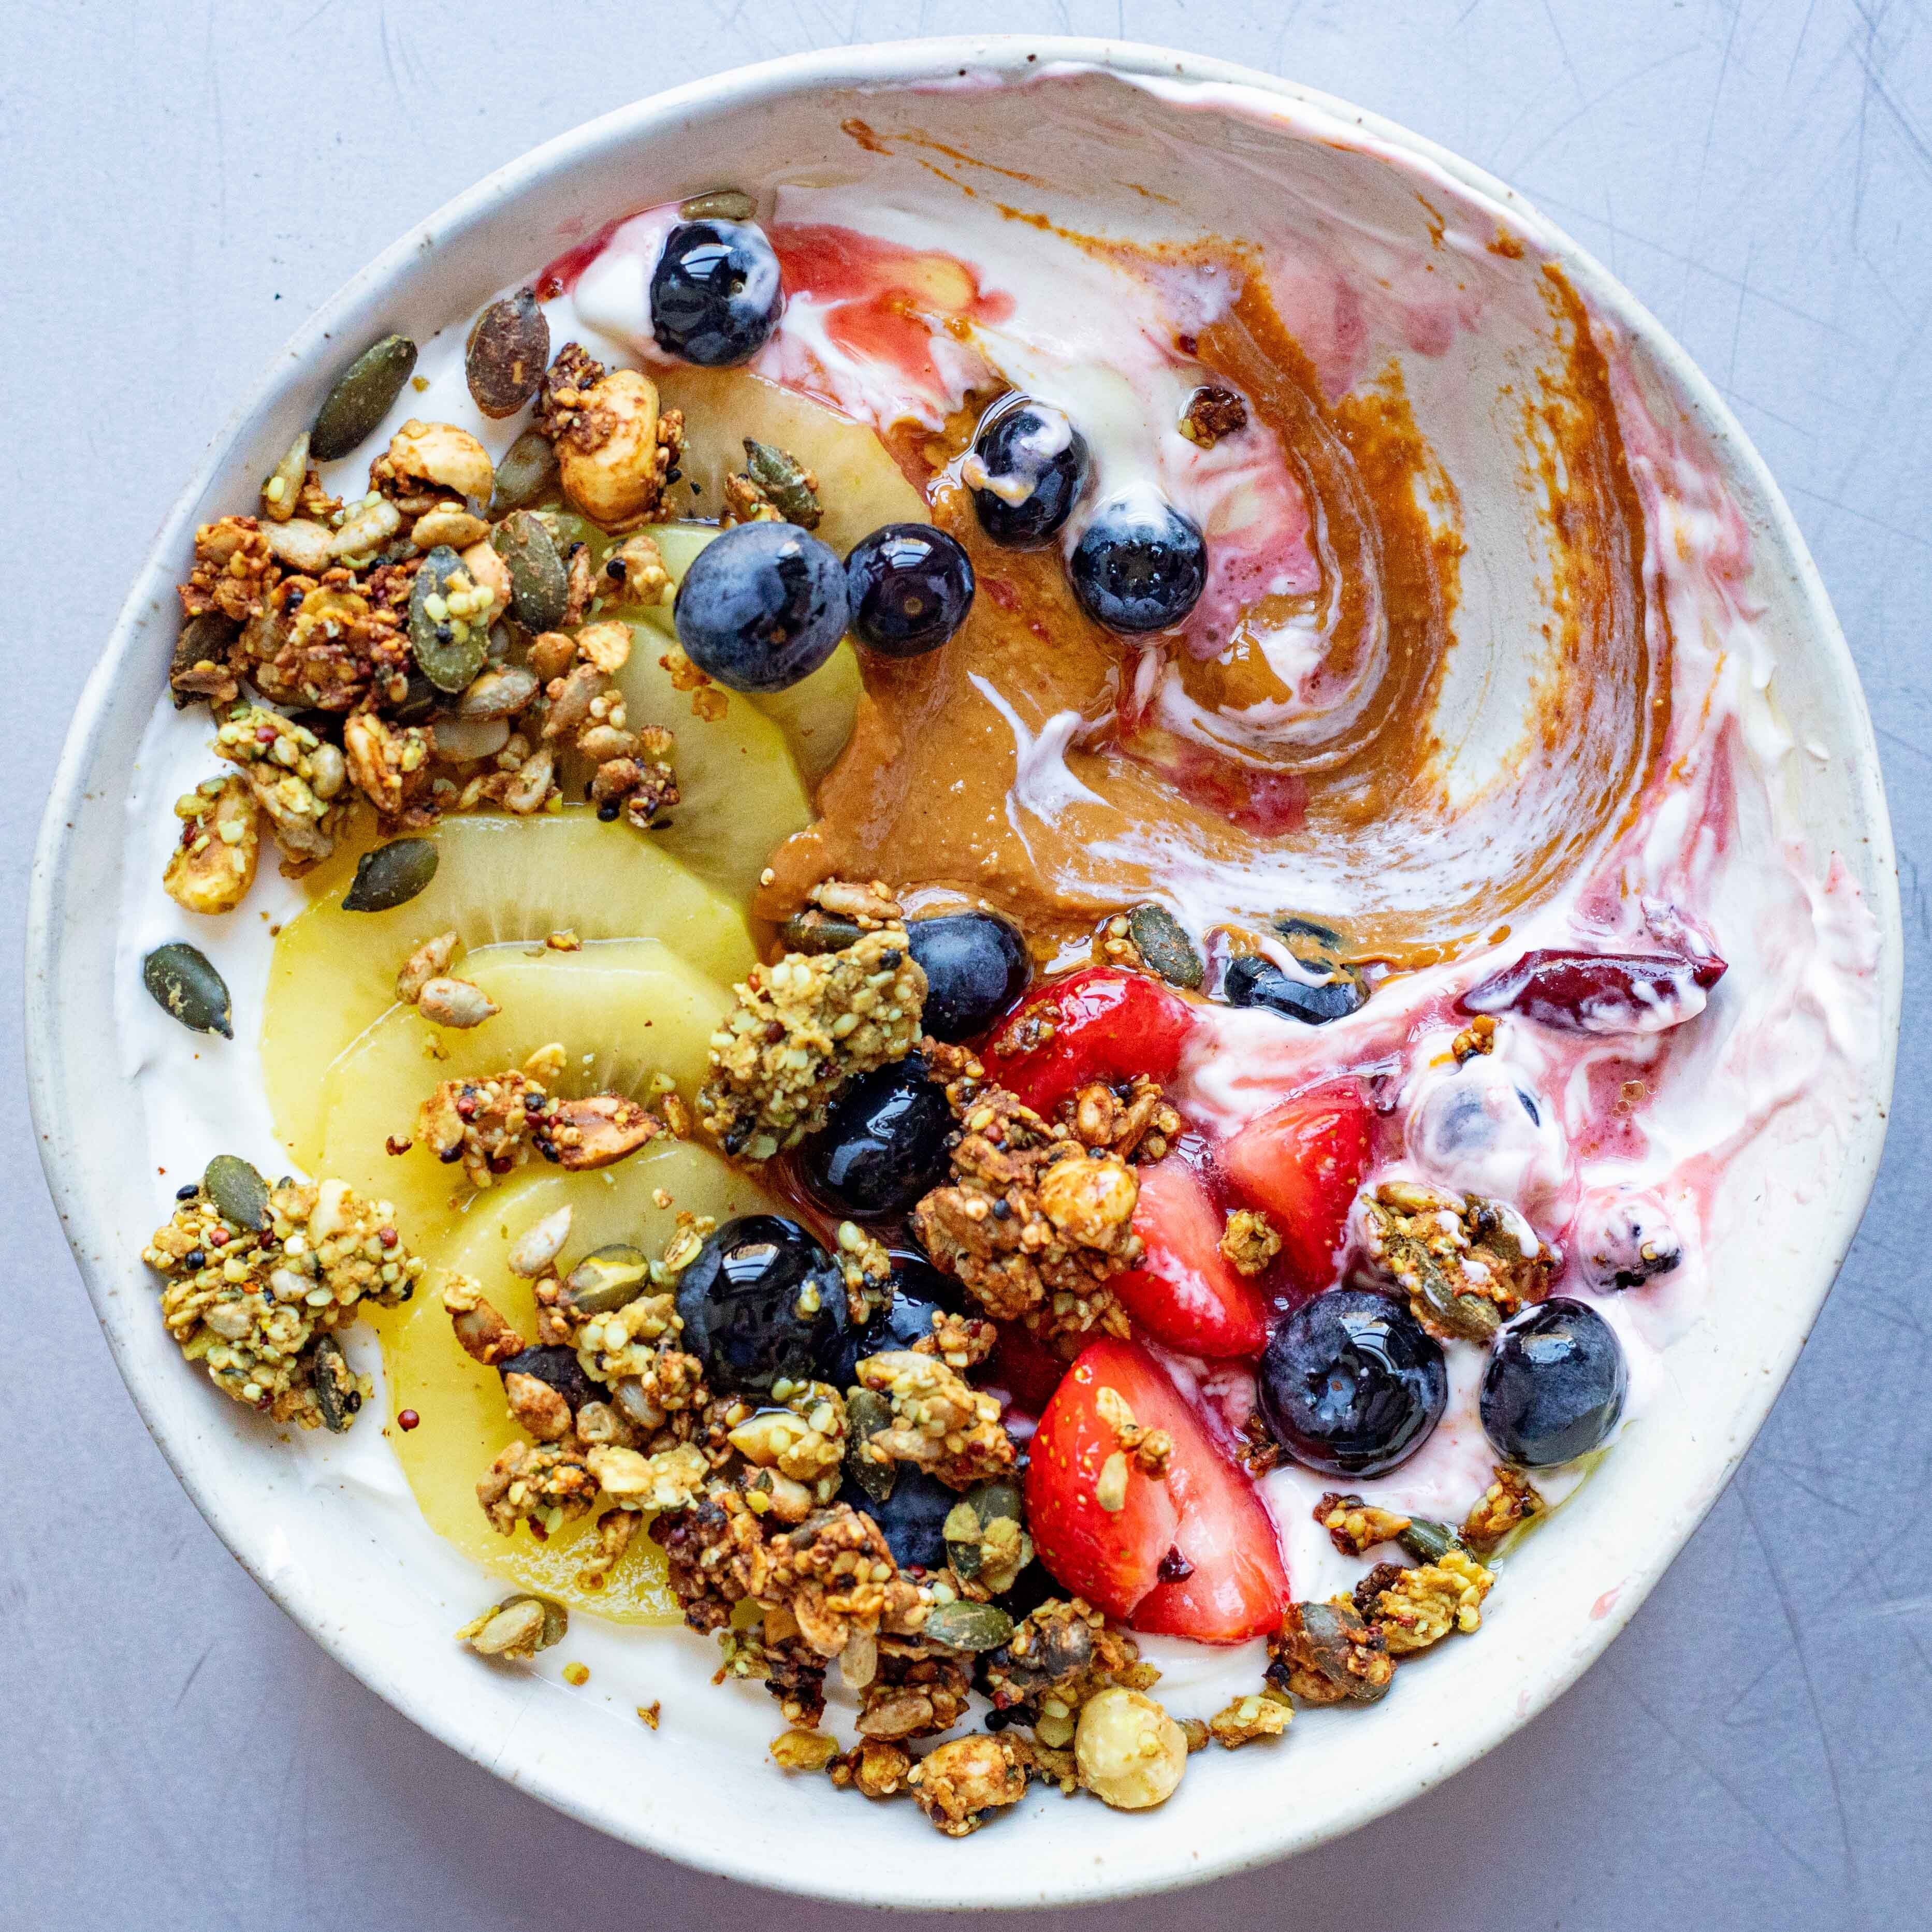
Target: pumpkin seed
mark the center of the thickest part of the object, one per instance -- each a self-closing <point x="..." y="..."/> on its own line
<point x="965" y="1626"/>
<point x="528" y="468"/>
<point x="816" y="931"/>
<point x="363" y="395"/>
<point x="333" y="1382"/>
<point x="203" y="641"/>
<point x="451" y="649"/>
<point x="608" y="1278"/>
<point x="781" y="477"/>
<point x="507" y="353"/>
<point x="282" y="486"/>
<point x="539" y="584"/>
<point x="866" y="1413"/>
<point x="419" y="701"/>
<point x="240" y="1194"/>
<point x="568" y="529"/>
<point x="1429" y="1542"/>
<point x="717" y="204"/>
<point x="392" y="875"/>
<point x="186" y="985"/>
<point x="1162" y="942"/>
<point x="1311" y="942"/>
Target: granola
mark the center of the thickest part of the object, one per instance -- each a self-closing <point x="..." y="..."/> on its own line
<point x="960" y="1785"/>
<point x="254" y="1304"/>
<point x="1422" y="1605"/>
<point x="1330" y="1654"/>
<point x="1509" y="1502"/>
<point x="802" y="1029"/>
<point x="492" y="1125"/>
<point x="1355" y="1527"/>
<point x="1466" y="1265"/>
<point x="1031" y="1224"/>
<point x="938" y="1424"/>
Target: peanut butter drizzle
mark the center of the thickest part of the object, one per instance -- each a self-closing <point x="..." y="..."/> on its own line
<point x="1360" y="827"/>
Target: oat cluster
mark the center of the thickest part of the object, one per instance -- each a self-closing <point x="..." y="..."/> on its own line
<point x="1032" y="1224"/>
<point x="1466" y="1265"/>
<point x="801" y="1029"/>
<point x="259" y="1306"/>
<point x="311" y="605"/>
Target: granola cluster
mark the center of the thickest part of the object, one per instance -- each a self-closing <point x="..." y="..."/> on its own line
<point x="938" y="1424"/>
<point x="313" y="604"/>
<point x="1466" y="1265"/>
<point x="801" y="1029"/>
<point x="1031" y="1223"/>
<point x="493" y="1124"/>
<point x="258" y="1305"/>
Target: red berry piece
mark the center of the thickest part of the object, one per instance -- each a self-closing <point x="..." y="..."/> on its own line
<point x="1099" y="1023"/>
<point x="1301" y="1163"/>
<point x="1185" y="1293"/>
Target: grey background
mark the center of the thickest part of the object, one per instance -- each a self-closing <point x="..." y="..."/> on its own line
<point x="180" y="185"/>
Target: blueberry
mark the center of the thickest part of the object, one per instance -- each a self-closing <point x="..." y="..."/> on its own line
<point x="761" y="607"/>
<point x="560" y="1369"/>
<point x="909" y="587"/>
<point x="975" y="966"/>
<point x="884" y="1141"/>
<point x="762" y="1301"/>
<point x="1555" y="1386"/>
<point x="920" y="1292"/>
<point x="1140" y="565"/>
<point x="1252" y="981"/>
<point x="913" y="1517"/>
<point x="1028" y="467"/>
<point x="1351" y="1384"/>
<point x="716" y="293"/>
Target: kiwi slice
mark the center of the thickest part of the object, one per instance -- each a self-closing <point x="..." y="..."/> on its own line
<point x="627" y="1011"/>
<point x="498" y="879"/>
<point x="463" y="1424"/>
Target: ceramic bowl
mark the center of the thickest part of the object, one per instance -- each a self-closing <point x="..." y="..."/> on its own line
<point x="339" y="1546"/>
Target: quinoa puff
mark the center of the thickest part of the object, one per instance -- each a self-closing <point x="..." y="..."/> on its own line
<point x="258" y="1305"/>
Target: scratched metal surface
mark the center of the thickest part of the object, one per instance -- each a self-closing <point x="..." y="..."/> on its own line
<point x="178" y="186"/>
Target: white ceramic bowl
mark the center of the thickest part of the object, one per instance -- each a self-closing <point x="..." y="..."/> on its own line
<point x="352" y="1564"/>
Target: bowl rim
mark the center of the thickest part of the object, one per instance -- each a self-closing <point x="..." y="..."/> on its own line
<point x="903" y="63"/>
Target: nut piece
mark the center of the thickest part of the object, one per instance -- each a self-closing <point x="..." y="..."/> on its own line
<point x="804" y="1750"/>
<point x="961" y="1784"/>
<point x="1247" y="1720"/>
<point x="1129" y="1752"/>
<point x="213" y="867"/>
<point x="427" y="458"/>
<point x="612" y="457"/>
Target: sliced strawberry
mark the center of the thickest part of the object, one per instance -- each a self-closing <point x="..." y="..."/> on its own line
<point x="1202" y="1527"/>
<point x="1101" y="1024"/>
<point x="1223" y="1581"/>
<point x="1302" y="1162"/>
<point x="1185" y="1293"/>
<point x="1111" y="1557"/>
<point x="1028" y="1372"/>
